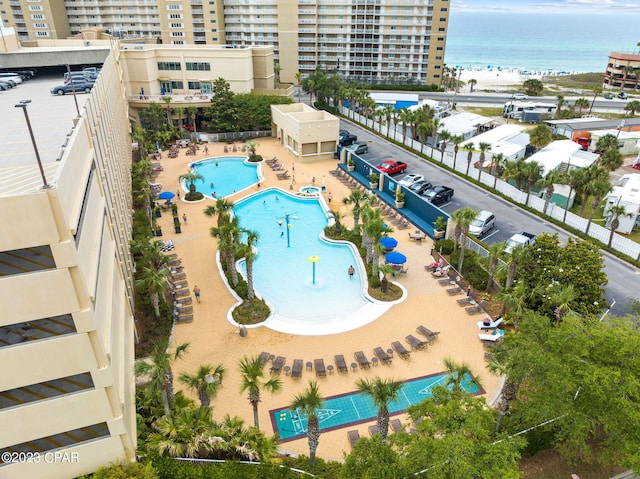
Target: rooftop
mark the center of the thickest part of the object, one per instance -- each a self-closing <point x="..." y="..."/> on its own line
<point x="51" y="119"/>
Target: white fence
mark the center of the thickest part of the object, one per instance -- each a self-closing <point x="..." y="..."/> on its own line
<point x="619" y="243"/>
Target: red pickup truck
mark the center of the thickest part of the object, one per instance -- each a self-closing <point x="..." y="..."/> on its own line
<point x="391" y="167"/>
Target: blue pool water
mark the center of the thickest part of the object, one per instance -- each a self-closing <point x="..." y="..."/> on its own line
<point x="283" y="275"/>
<point x="355" y="407"/>
<point x="229" y="174"/>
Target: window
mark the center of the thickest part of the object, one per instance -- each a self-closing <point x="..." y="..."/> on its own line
<point x="175" y="16"/>
<point x="169" y="66"/>
<point x="194" y="85"/>
<point x="177" y="42"/>
<point x="176" y="25"/>
<point x="441" y="29"/>
<point x="198" y="66"/>
<point x="177" y="34"/>
<point x="40" y="25"/>
<point x="444" y="9"/>
<point x="42" y="34"/>
<point x="174" y="7"/>
<point x="176" y="84"/>
<point x="35" y="8"/>
<point x="37" y="16"/>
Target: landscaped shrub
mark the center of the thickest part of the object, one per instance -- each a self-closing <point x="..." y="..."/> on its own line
<point x="169" y="468"/>
<point x="195" y="196"/>
<point x="472" y="269"/>
<point x="443" y="246"/>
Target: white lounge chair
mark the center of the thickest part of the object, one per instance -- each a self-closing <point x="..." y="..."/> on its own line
<point x="497" y="334"/>
<point x="490" y="324"/>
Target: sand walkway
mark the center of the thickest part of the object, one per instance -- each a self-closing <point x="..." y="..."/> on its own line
<point x="214" y="340"/>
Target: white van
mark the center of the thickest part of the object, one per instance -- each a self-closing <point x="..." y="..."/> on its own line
<point x="11" y="76"/>
<point x="484" y="222"/>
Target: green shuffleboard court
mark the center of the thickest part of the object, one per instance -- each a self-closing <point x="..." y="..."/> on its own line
<point x="354" y="407"/>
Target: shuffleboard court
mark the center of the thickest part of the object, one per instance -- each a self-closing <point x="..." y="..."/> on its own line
<point x="355" y="407"/>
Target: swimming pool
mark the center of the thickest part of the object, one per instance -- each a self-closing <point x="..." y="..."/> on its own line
<point x="355" y="407"/>
<point x="227" y="174"/>
<point x="283" y="274"/>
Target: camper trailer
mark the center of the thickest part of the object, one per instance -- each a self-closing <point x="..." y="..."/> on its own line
<point x="514" y="109"/>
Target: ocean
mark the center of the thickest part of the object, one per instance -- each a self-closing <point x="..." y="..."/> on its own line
<point x="538" y="42"/>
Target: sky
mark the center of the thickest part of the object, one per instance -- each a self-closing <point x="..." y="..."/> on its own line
<point x="548" y="6"/>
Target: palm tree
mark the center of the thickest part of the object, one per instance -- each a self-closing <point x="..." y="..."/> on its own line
<point x="179" y="112"/>
<point x="192" y="111"/>
<point x="532" y="171"/>
<point x="598" y="188"/>
<point x="575" y="179"/>
<point x="386" y="270"/>
<point x="592" y="174"/>
<point x="154" y="283"/>
<point x="606" y="142"/>
<point x="495" y="251"/>
<point x="511" y="262"/>
<point x="373" y="229"/>
<point x="456" y="140"/>
<point x="540" y="136"/>
<point x="483" y="146"/>
<point x="205" y="381"/>
<point x="444" y="137"/>
<point x="311" y="85"/>
<point x="615" y="212"/>
<point x="388" y="112"/>
<point x="581" y="103"/>
<point x="381" y="391"/>
<point x="222" y="208"/>
<point x="456" y="373"/>
<point x="596" y="92"/>
<point x="249" y="257"/>
<point x="611" y="159"/>
<point x="496" y="166"/>
<point x="357" y="200"/>
<point x="472" y="82"/>
<point x="337" y="218"/>
<point x="276" y="70"/>
<point x="554" y="177"/>
<point x="228" y="235"/>
<point x="191" y="177"/>
<point x="307" y="403"/>
<point x="515" y="300"/>
<point x="633" y="107"/>
<point x="405" y="119"/>
<point x="298" y="79"/>
<point x="167" y="99"/>
<point x="158" y="370"/>
<point x="252" y="372"/>
<point x="395" y="118"/>
<point x="463" y="217"/>
<point x="561" y="297"/>
<point x="469" y="149"/>
<point x="508" y="393"/>
<point x="424" y="129"/>
<point x="561" y="103"/>
<point x="434" y="133"/>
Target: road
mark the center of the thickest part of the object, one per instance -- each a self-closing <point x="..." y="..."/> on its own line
<point x="623" y="278"/>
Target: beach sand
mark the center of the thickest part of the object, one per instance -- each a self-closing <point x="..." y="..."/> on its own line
<point x="494" y="80"/>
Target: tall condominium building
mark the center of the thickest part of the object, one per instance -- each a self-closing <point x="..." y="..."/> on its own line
<point x="365" y="40"/>
<point x="623" y="71"/>
<point x="66" y="282"/>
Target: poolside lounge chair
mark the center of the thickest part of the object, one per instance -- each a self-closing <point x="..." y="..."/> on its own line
<point x="174" y="262"/>
<point x="318" y="364"/>
<point x="178" y="276"/>
<point x="416" y="343"/>
<point x="171" y="257"/>
<point x="444" y="282"/>
<point x="186" y="310"/>
<point x="296" y="370"/>
<point x="382" y="355"/>
<point x="493" y="337"/>
<point x="272" y="160"/>
<point x="431" y="335"/>
<point x="478" y="308"/>
<point x="396" y="425"/>
<point x="488" y="324"/>
<point x="277" y="365"/>
<point x="362" y="360"/>
<point x="184" y="319"/>
<point x="182" y="292"/>
<point x="341" y="363"/>
<point x="353" y="437"/>
<point x="284" y="175"/>
<point x="373" y="429"/>
<point x="471" y="299"/>
<point x="184" y="301"/>
<point x="455" y="290"/>
<point x="264" y="357"/>
<point x="401" y="350"/>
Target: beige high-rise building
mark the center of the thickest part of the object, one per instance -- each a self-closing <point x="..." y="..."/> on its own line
<point x="365" y="40"/>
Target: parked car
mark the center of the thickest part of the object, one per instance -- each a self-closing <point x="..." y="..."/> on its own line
<point x="438" y="195"/>
<point x="622" y="95"/>
<point x="9" y="83"/>
<point x="79" y="76"/>
<point x="5" y="85"/>
<point x="80" y="86"/>
<point x="12" y="77"/>
<point x="410" y="179"/>
<point x="347" y="139"/>
<point x="608" y="96"/>
<point x="520" y="239"/>
<point x="520" y="96"/>
<point x="483" y="223"/>
<point x="420" y="187"/>
<point x="391" y="167"/>
<point x="359" y="148"/>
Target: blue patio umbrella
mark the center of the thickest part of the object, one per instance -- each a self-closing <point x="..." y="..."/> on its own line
<point x="166" y="195"/>
<point x="388" y="242"/>
<point x="395" y="258"/>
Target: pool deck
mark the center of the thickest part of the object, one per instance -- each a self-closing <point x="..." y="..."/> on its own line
<point x="213" y="339"/>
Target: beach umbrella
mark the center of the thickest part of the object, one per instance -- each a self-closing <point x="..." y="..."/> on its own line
<point x="388" y="242"/>
<point x="166" y="195"/>
<point x="395" y="258"/>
